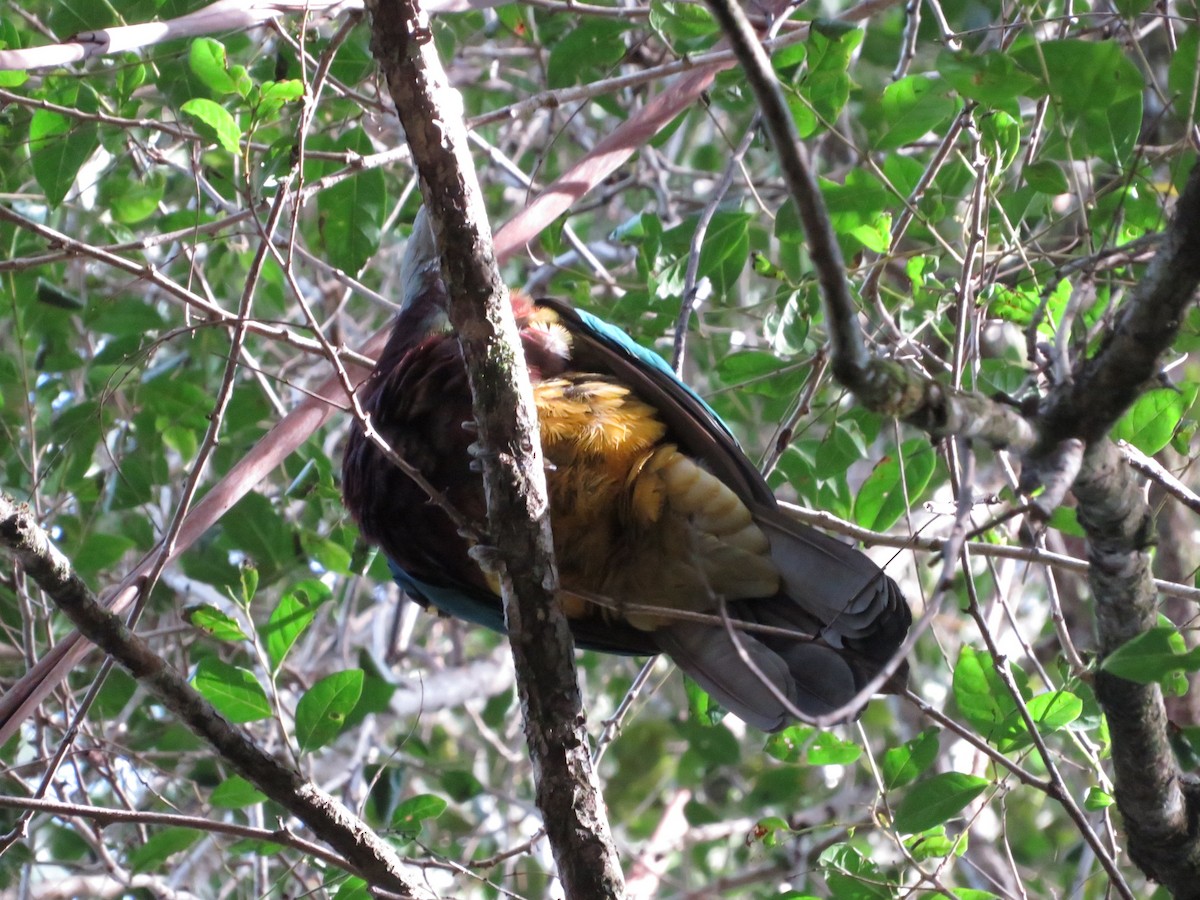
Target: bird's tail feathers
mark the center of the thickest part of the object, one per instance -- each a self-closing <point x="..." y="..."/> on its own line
<point x="766" y="691"/>
<point x="858" y="605"/>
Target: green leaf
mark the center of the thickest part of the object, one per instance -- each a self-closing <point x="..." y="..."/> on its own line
<point x="273" y="95"/>
<point x="322" y="711"/>
<point x="858" y="208"/>
<point x="904" y="764"/>
<point x="1181" y="74"/>
<point x="702" y="708"/>
<point x="991" y="78"/>
<point x="840" y="448"/>
<point x="1151" y="421"/>
<point x="131" y="201"/>
<point x="58" y="148"/>
<point x="1018" y="305"/>
<point x="912" y="107"/>
<point x="1001" y="138"/>
<point x="1152" y="656"/>
<point x="851" y="875"/>
<point x="353" y="889"/>
<point x="214" y="123"/>
<point x="936" y="844"/>
<point x="249" y="576"/>
<point x="461" y="785"/>
<point x="768" y="830"/>
<point x="211" y="620"/>
<point x="412" y="812"/>
<point x="124" y="316"/>
<point x="713" y="745"/>
<point x="586" y="52"/>
<point x="160" y="846"/>
<point x="206" y="59"/>
<point x="980" y="694"/>
<point x="788" y="744"/>
<point x="1050" y="712"/>
<point x="1054" y="710"/>
<point x="352" y="211"/>
<point x="131" y="75"/>
<point x="787" y="328"/>
<point x="937" y="800"/>
<point x="885" y="496"/>
<point x="235" y="792"/>
<point x="682" y="21"/>
<point x="1097" y="800"/>
<point x="1083" y="76"/>
<point x="255" y="527"/>
<point x="746" y="366"/>
<point x="234" y="691"/>
<point x="725" y="249"/>
<point x="100" y="551"/>
<point x="830" y="750"/>
<point x="293" y="614"/>
<point x="1066" y="520"/>
<point x="1046" y="177"/>
<point x="825" y="86"/>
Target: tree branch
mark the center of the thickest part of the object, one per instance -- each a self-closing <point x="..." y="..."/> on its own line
<point x="567" y="790"/>
<point x="326" y="816"/>
<point x="1158" y="811"/>
<point x="1150" y="793"/>
<point x="1103" y="387"/>
<point x="883" y="386"/>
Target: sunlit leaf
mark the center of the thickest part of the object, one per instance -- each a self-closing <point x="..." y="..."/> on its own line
<point x="936" y="800"/>
<point x="1151" y="421"/>
<point x="409" y="815"/>
<point x="214" y="122"/>
<point x="211" y="620"/>
<point x="234" y="691"/>
<point x="322" y="711"/>
<point x="904" y="764"/>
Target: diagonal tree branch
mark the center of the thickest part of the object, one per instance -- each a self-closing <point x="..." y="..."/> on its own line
<point x="1151" y="792"/>
<point x="1067" y="450"/>
<point x="881" y="385"/>
<point x="567" y="790"/>
<point x="326" y="816"/>
<point x="1103" y="386"/>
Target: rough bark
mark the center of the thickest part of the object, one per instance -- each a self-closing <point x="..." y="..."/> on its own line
<point x="567" y="790"/>
<point x="1068" y="449"/>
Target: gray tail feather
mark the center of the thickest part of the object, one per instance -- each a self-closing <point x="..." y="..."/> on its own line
<point x="856" y="603"/>
<point x="848" y="616"/>
<point x="813" y="678"/>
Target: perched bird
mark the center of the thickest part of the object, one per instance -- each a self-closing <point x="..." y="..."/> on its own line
<point x="653" y="506"/>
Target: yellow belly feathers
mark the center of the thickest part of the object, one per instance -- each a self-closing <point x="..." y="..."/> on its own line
<point x="635" y="521"/>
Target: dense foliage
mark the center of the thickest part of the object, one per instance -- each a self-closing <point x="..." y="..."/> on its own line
<point x="997" y="175"/>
